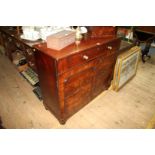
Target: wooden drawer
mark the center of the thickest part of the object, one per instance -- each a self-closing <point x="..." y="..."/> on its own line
<point x="104" y="61"/>
<point x="112" y="47"/>
<point x="78" y="59"/>
<point x="87" y="55"/>
<point x="109" y="48"/>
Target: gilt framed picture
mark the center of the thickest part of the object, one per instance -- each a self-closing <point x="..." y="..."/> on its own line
<point x="126" y="67"/>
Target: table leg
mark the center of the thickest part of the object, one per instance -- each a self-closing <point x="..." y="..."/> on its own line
<point x="145" y="51"/>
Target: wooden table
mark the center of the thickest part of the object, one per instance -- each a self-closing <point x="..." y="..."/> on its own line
<point x="145" y="34"/>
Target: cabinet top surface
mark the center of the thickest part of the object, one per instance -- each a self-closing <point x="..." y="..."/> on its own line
<point x="73" y="48"/>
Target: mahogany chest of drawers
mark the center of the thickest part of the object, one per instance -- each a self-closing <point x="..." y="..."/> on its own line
<point x="72" y="77"/>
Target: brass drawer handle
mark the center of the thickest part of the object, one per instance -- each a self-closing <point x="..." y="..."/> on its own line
<point x="98" y="44"/>
<point x="109" y="47"/>
<point x="85" y="57"/>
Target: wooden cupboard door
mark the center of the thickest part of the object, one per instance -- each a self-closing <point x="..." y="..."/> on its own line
<point x="102" y="80"/>
<point x="78" y="90"/>
<point x="103" y="73"/>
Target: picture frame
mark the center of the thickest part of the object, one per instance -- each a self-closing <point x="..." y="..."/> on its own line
<point x="126" y="67"/>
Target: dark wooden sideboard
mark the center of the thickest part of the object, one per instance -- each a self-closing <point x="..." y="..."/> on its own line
<point x="70" y="78"/>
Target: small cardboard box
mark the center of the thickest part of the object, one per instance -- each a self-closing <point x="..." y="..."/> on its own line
<point x="60" y="40"/>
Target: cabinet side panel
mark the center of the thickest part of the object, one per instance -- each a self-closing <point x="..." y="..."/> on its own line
<point x="48" y="82"/>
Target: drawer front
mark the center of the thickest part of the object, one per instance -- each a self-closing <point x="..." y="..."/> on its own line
<point x="112" y="47"/>
<point x="87" y="55"/>
<point x="78" y="59"/>
<point x="104" y="61"/>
